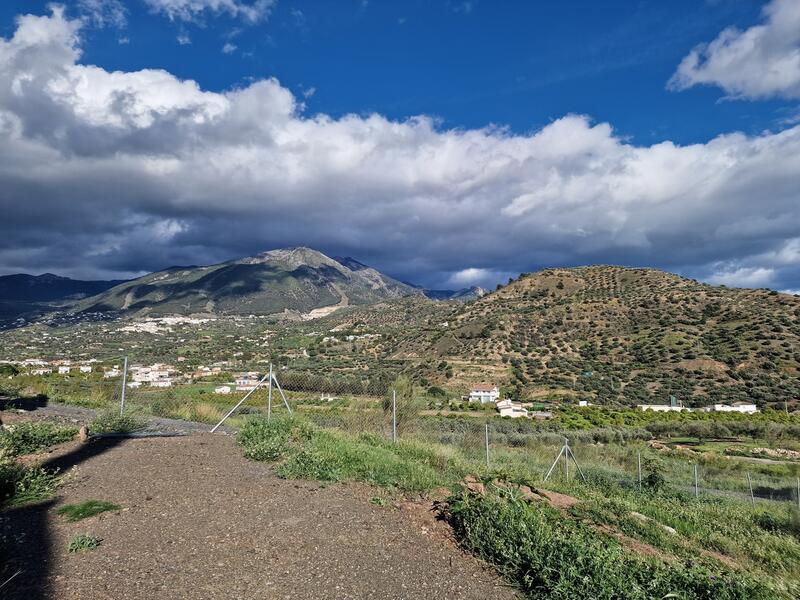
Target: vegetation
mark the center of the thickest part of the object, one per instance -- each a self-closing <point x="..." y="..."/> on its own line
<point x="32" y="436"/>
<point x="719" y="548"/>
<point x="84" y="510"/>
<point x="22" y="485"/>
<point x="111" y="421"/>
<point x="84" y="542"/>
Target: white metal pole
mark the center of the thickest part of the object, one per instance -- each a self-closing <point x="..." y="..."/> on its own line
<point x="566" y="458"/>
<point x="269" y="394"/>
<point x="750" y="483"/>
<point x="798" y="492"/>
<point x="487" y="445"/>
<point x="280" y="391"/>
<point x="394" y="415"/>
<point x="555" y="462"/>
<point x="238" y="404"/>
<point x="696" y="488"/>
<point x="124" y="382"/>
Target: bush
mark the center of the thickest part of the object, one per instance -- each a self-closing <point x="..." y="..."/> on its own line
<point x="112" y="422"/>
<point x="19" y="484"/>
<point x="551" y="556"/>
<point x="33" y="436"/>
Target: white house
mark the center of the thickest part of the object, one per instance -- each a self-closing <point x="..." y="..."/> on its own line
<point x="222" y="389"/>
<point x="161" y="383"/>
<point x="85" y="368"/>
<point x="134" y="384"/>
<point x="112" y="372"/>
<point x="484" y="393"/>
<point x="41" y="371"/>
<point x="246" y="381"/>
<point x="584" y="403"/>
<point x="507" y="408"/>
<point x="64" y="370"/>
<point x="740" y="407"/>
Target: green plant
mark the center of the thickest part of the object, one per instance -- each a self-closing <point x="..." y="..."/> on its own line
<point x="111" y="421"/>
<point x="84" y="542"/>
<point x="33" y="436"/>
<point x="20" y="484"/>
<point x="84" y="510"/>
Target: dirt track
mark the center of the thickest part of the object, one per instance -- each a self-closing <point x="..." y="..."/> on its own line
<point x="200" y="521"/>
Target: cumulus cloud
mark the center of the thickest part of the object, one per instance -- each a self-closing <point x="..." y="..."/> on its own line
<point x="113" y="173"/>
<point x="760" y="62"/>
<point x="252" y="11"/>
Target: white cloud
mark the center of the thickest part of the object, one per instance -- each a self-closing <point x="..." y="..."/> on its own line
<point x="472" y="276"/>
<point x="111" y="157"/>
<point x="184" y="39"/>
<point x="228" y="48"/>
<point x="752" y="277"/>
<point x="102" y="13"/>
<point x="760" y="62"/>
<point x="251" y="11"/>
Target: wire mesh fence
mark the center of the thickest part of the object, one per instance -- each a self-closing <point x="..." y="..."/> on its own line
<point x="395" y="410"/>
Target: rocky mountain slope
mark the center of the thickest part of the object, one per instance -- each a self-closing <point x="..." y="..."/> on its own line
<point x="292" y="279"/>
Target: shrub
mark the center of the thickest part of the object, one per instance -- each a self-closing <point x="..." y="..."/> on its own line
<point x="20" y="485"/>
<point x="33" y="436"/>
<point x="112" y="422"/>
<point x="84" y="542"/>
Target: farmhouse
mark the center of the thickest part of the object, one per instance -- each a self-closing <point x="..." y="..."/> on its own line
<point x="673" y="406"/>
<point x="246" y="381"/>
<point x="484" y="393"/>
<point x="64" y="369"/>
<point x="85" y="368"/>
<point x="222" y="389"/>
<point x="507" y="408"/>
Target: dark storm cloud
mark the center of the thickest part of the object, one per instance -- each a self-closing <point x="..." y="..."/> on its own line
<point x="111" y="174"/>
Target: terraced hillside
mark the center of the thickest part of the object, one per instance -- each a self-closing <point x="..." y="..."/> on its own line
<point x="623" y="335"/>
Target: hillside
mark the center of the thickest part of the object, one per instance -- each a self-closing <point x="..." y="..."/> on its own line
<point x="620" y="335"/>
<point x="292" y="279"/>
<point x="29" y="295"/>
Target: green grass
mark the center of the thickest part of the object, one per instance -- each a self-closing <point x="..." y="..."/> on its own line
<point x="552" y="557"/>
<point x="763" y="541"/>
<point x="84" y="510"/>
<point x="33" y="436"/>
<point x="23" y="485"/>
<point x="84" y="542"/>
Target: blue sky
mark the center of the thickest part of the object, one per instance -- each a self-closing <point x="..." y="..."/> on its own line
<point x="470" y="64"/>
<point x="445" y="142"/>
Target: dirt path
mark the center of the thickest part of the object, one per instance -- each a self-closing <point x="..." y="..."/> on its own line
<point x="199" y="521"/>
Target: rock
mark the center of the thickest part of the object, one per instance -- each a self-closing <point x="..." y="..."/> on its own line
<point x="528" y="494"/>
<point x="474" y="486"/>
<point x="83" y="433"/>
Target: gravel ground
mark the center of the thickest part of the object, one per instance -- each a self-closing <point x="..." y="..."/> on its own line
<point x="200" y="521"/>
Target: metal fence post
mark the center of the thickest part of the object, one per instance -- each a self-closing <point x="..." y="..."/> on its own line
<point x="269" y="394"/>
<point x="487" y="445"/>
<point x="696" y="488"/>
<point x="124" y="382"/>
<point x="750" y="484"/>
<point x="798" y="492"/>
<point x="394" y="415"/>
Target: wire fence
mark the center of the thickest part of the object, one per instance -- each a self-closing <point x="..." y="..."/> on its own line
<point x="472" y="434"/>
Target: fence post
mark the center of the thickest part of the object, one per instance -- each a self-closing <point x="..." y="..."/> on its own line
<point x="798" y="492"/>
<point x="394" y="415"/>
<point x="639" y="468"/>
<point x="487" y="445"/>
<point x="566" y="458"/>
<point x="269" y="394"/>
<point x="750" y="485"/>
<point x="696" y="488"/>
<point x="124" y="383"/>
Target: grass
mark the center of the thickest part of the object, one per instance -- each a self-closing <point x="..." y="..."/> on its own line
<point x="84" y="510"/>
<point x="33" y="436"/>
<point x="531" y="545"/>
<point x="84" y="542"/>
<point x="22" y="485"/>
<point x="111" y="421"/>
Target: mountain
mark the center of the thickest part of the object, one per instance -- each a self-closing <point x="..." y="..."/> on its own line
<point x="290" y="279"/>
<point x="48" y="288"/>
<point x="28" y="296"/>
<point x="463" y="295"/>
<point x="614" y="334"/>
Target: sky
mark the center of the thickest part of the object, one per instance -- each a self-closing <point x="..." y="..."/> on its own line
<point x="448" y="143"/>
